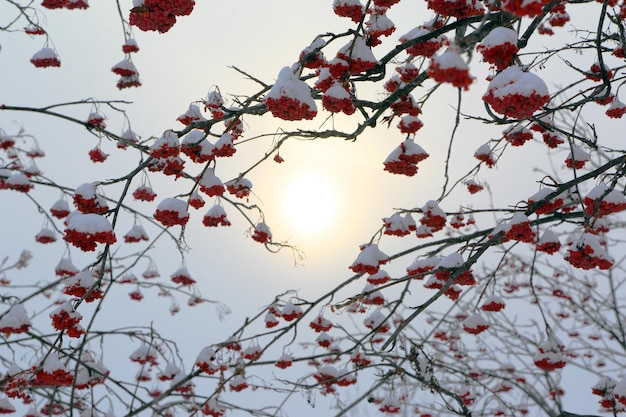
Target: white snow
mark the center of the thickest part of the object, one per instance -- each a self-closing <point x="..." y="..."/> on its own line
<point x="515" y="81"/>
<point x="500" y="36"/>
<point x="89" y="223"/>
<point x="289" y="85"/>
<point x="174" y="204"/>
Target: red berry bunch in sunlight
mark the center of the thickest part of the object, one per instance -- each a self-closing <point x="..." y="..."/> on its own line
<point x="548" y="242"/>
<point x="66" y="318"/>
<point x="240" y="187"/>
<point x="171" y="212"/>
<point x="517" y="135"/>
<point x="144" y="193"/>
<point x="550" y="355"/>
<point x="15" y="320"/>
<point x="516" y="94"/>
<point x="530" y="8"/>
<point x="65" y="4"/>
<point x="577" y="158"/>
<point x="410" y="124"/>
<point x="290" y="98"/>
<point x="312" y="57"/>
<point x="192" y="114"/>
<point x="165" y="146"/>
<point x="85" y="231"/>
<point x="321" y="324"/>
<point x="45" y="235"/>
<point x="448" y="266"/>
<point x="285" y="361"/>
<point x="449" y="67"/>
<point x="210" y="184"/>
<point x="519" y="229"/>
<point x="46" y="57"/>
<point x="398" y="225"/>
<point x="352" y="9"/>
<point x="338" y="99"/>
<point x="127" y="82"/>
<point x="52" y="373"/>
<point x="457" y="8"/>
<point x="225" y="147"/>
<point x="216" y="216"/>
<point x="125" y="68"/>
<point x="407" y="72"/>
<point x="403" y="160"/>
<point x="159" y="15"/>
<point x="369" y="259"/>
<point x="205" y="361"/>
<point x="358" y="54"/>
<point x="137" y="233"/>
<point x="97" y="155"/>
<point x="499" y="47"/>
<point x="475" y="324"/>
<point x="291" y="311"/>
<point x="82" y="285"/>
<point x="195" y="200"/>
<point x="390" y="405"/>
<point x="406" y="105"/>
<point x="379" y="25"/>
<point x="587" y="253"/>
<point x="493" y="303"/>
<point x="602" y="201"/>
<point x="426" y="47"/>
<point x="537" y="202"/>
<point x="130" y="46"/>
<point x="262" y="233"/>
<point x="595" y="72"/>
<point x="197" y="147"/>
<point x="433" y="216"/>
<point x="484" y="154"/>
<point x="182" y="277"/>
<point x="473" y="186"/>
<point x="34" y="30"/>
<point x="616" y="110"/>
<point x="87" y="200"/>
<point x="238" y="383"/>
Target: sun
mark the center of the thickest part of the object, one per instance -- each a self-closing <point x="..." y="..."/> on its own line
<point x="310" y="202"/>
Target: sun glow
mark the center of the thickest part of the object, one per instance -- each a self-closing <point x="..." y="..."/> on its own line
<point x="310" y="202"/>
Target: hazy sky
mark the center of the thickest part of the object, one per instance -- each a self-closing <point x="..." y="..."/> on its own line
<point x="180" y="67"/>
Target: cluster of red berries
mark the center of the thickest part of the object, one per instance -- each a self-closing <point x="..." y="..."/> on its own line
<point x="287" y="108"/>
<point x="369" y="260"/>
<point x="524" y="7"/>
<point x="450" y="68"/>
<point x="517" y="135"/>
<point x="493" y="304"/>
<point x="404" y="159"/>
<point x="216" y="216"/>
<point x="352" y="9"/>
<point x="588" y="254"/>
<point x="46" y="57"/>
<point x="457" y="8"/>
<point x="144" y="193"/>
<point x="159" y="15"/>
<point x="172" y="213"/>
<point x="65" y="4"/>
<point x="550" y="355"/>
<point x="499" y="47"/>
<point x="262" y="233"/>
<point x="182" y="277"/>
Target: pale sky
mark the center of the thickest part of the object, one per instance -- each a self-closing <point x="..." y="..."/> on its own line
<point x="179" y="67"/>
